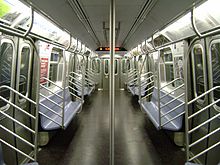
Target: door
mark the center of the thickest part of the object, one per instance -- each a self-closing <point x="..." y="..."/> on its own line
<point x="7" y="77"/>
<point x="117" y="74"/>
<point x="105" y="74"/>
<point x="125" y="66"/>
<point x="213" y="51"/>
<point x="23" y="85"/>
<point x="96" y="66"/>
<point x="199" y="78"/>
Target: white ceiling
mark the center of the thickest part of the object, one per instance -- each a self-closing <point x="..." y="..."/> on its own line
<point x="97" y="12"/>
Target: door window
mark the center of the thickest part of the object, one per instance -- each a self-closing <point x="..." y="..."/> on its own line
<point x="215" y="63"/>
<point x="106" y="67"/>
<point x="167" y="58"/>
<point x="6" y="57"/>
<point x="198" y="70"/>
<point x="24" y="69"/>
<point x="116" y="67"/>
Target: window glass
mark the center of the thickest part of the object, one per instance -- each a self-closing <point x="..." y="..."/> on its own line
<point x="24" y="68"/>
<point x="6" y="56"/>
<point x="167" y="59"/>
<point x="169" y="72"/>
<point x="56" y="66"/>
<point x="128" y="65"/>
<point x="215" y="56"/>
<point x="106" y="64"/>
<point x="98" y="65"/>
<point x="116" y="66"/>
<point x="53" y="66"/>
<point x="93" y="64"/>
<point x="198" y="69"/>
<point x="123" y="66"/>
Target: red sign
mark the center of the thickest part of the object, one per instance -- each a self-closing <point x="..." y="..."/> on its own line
<point x="108" y="49"/>
<point x="43" y="69"/>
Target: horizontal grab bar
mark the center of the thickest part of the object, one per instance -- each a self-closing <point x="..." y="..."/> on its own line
<point x="47" y="98"/>
<point x="203" y="109"/>
<point x="51" y="91"/>
<point x="44" y="78"/>
<point x="169" y="102"/>
<point x="77" y="97"/>
<point x="202" y="95"/>
<point x="204" y="137"/>
<point x="172" y="91"/>
<point x="204" y="151"/>
<point x="17" y="136"/>
<point x="19" y="151"/>
<point x="17" y="122"/>
<point x="13" y="90"/>
<point x="171" y="82"/>
<point x="172" y="110"/>
<point x="50" y="109"/>
<point x="205" y="122"/>
<point x="177" y="116"/>
<point x="20" y="109"/>
<point x="50" y="118"/>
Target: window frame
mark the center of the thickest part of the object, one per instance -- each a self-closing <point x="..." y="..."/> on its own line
<point x="9" y="41"/>
<point x="23" y="45"/>
<point x="214" y="41"/>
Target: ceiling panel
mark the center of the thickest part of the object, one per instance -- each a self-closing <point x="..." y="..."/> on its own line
<point x="97" y="12"/>
<point x="162" y="13"/>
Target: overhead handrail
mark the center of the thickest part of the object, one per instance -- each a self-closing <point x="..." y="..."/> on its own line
<point x="31" y="23"/>
<point x="75" y="50"/>
<point x="69" y="44"/>
<point x="193" y="22"/>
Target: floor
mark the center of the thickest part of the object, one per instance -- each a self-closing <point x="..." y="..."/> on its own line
<point x="86" y="140"/>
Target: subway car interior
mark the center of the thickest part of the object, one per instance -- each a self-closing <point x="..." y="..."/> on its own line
<point x="118" y="82"/>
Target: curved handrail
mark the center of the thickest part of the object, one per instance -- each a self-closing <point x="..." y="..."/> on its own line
<point x="31" y="24"/>
<point x="70" y="43"/>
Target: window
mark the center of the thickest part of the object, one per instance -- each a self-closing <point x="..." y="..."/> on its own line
<point x="198" y="70"/>
<point x="98" y="65"/>
<point x="56" y="65"/>
<point x="94" y="64"/>
<point x="215" y="63"/>
<point x="128" y="65"/>
<point x="123" y="63"/>
<point x="106" y="65"/>
<point x="116" y="67"/>
<point x="167" y="59"/>
<point x="6" y="57"/>
<point x="24" y="68"/>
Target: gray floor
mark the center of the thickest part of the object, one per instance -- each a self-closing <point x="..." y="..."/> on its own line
<point x="86" y="141"/>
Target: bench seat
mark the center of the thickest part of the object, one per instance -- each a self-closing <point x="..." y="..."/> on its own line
<point x="71" y="108"/>
<point x="151" y="108"/>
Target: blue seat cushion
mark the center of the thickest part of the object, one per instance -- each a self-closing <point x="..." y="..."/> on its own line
<point x="70" y="110"/>
<point x="151" y="108"/>
<point x="87" y="90"/>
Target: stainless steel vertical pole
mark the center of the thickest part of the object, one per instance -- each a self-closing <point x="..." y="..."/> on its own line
<point x="112" y="79"/>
